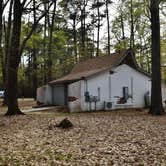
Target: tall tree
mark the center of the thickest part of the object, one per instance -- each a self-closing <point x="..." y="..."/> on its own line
<point x="51" y="30"/>
<point x="7" y="47"/>
<point x="73" y="16"/>
<point x="98" y="27"/>
<point x="83" y="25"/>
<point x="107" y="2"/>
<point x="108" y="26"/>
<point x="13" y="61"/>
<point x="156" y="96"/>
<point x="132" y="43"/>
<point x="44" y="47"/>
<point x="34" y="54"/>
<point x="97" y="5"/>
<point x="2" y="8"/>
<point x="14" y="56"/>
<point x="1" y="13"/>
<point x="73" y="11"/>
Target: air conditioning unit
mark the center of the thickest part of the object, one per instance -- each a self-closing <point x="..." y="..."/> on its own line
<point x="108" y="105"/>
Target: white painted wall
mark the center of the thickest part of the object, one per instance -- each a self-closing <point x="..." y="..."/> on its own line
<point x="41" y="94"/>
<point x="44" y="95"/>
<point x="121" y="77"/>
<point x="74" y="90"/>
<point x="93" y="83"/>
<point x="48" y="95"/>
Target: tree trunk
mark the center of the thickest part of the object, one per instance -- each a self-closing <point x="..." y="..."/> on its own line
<point x="98" y="29"/>
<point x="122" y="26"/>
<point x="7" y="46"/>
<point x="29" y="79"/>
<point x="13" y="62"/>
<point x="82" y="34"/>
<point x="1" y="13"/>
<point x="94" y="48"/>
<point x="50" y="43"/>
<point x="156" y="96"/>
<point x="34" y="56"/>
<point x="132" y="38"/>
<point x="1" y="51"/>
<point x="75" y="37"/>
<point x="34" y="74"/>
<point x="108" y="27"/>
<point x="44" y="50"/>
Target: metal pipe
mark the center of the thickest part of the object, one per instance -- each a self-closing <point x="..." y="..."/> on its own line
<point x="98" y="90"/>
<point x="110" y="87"/>
<point x="132" y="89"/>
<point x="86" y="85"/>
<point x="95" y="105"/>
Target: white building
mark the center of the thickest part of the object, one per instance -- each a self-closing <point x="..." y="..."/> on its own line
<point x="108" y="82"/>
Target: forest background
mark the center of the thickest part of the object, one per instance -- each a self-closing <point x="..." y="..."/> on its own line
<point x="57" y="34"/>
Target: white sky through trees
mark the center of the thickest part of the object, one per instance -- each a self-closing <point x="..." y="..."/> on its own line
<point x="103" y="30"/>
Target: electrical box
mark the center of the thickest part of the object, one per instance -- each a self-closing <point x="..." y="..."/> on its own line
<point x="125" y="93"/>
<point x="87" y="96"/>
<point x="94" y="98"/>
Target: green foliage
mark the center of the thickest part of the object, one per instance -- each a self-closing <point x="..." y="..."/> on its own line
<point x="163" y="57"/>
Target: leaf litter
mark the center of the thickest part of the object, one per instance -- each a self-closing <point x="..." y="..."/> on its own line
<point x="124" y="137"/>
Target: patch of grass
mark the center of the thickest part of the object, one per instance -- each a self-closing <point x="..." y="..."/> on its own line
<point x="57" y="155"/>
<point x="63" y="157"/>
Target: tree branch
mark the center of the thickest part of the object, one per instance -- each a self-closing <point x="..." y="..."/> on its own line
<point x="31" y="31"/>
<point x="4" y="5"/>
<point x="23" y="3"/>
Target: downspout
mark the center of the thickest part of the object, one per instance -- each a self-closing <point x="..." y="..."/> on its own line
<point x="132" y="89"/>
<point x="98" y="90"/>
<point x="52" y="90"/>
<point x="86" y="86"/>
<point x="110" y="86"/>
<point x="86" y="90"/>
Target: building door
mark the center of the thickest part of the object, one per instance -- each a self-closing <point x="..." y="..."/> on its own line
<point x="59" y="95"/>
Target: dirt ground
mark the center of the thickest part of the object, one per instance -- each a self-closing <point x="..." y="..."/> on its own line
<point x="125" y="137"/>
<point x="24" y="103"/>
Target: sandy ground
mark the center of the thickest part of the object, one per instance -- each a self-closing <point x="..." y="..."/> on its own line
<point x="126" y="137"/>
